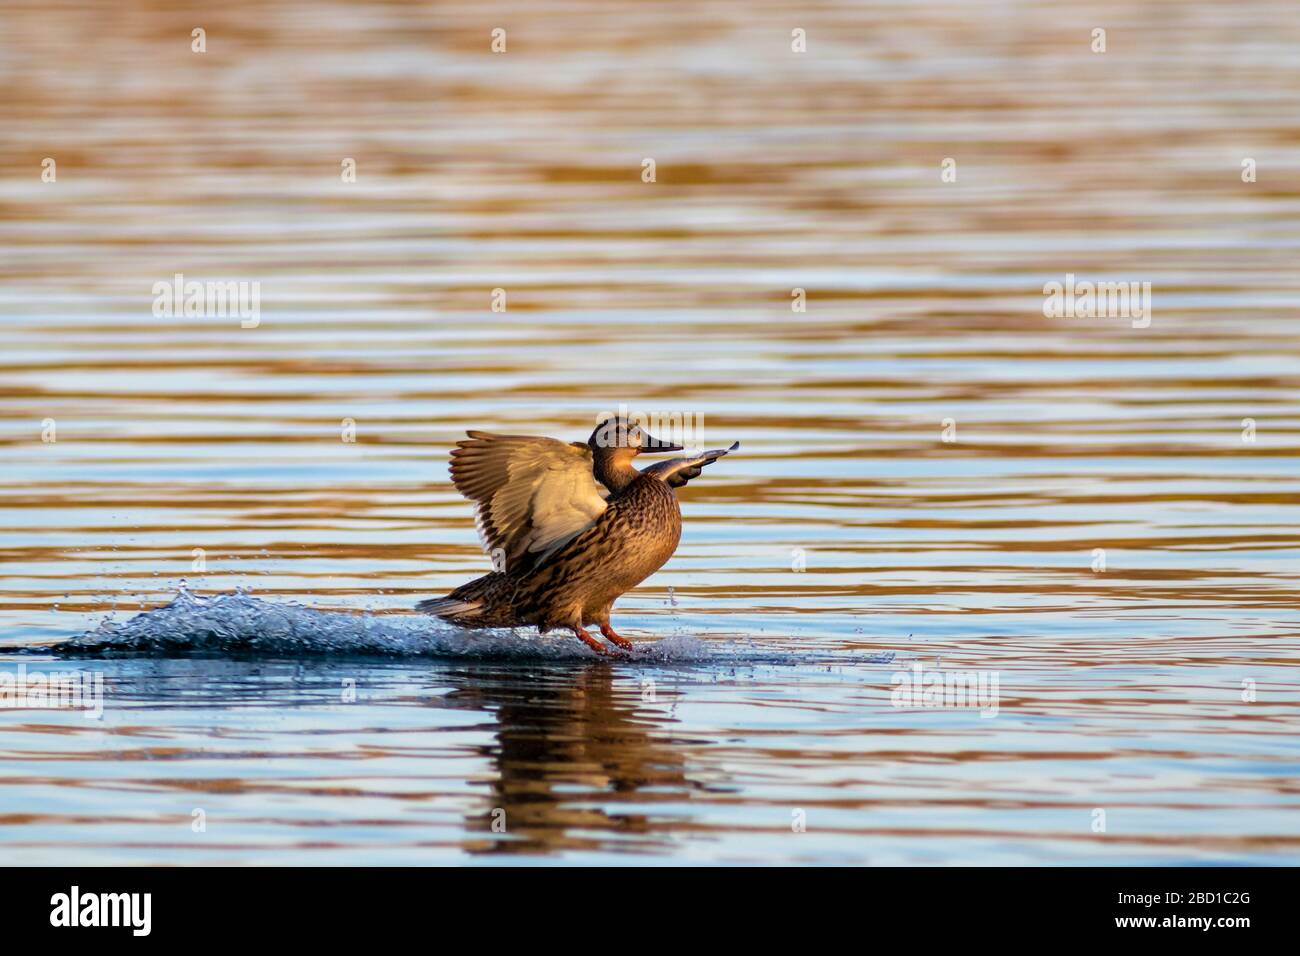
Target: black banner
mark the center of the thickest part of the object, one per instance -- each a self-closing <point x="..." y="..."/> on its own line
<point x="1225" y="906"/>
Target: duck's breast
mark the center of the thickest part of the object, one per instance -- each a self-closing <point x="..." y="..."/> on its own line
<point x="643" y="527"/>
<point x="630" y="541"/>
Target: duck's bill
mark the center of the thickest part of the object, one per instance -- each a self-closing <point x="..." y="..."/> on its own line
<point x="650" y="443"/>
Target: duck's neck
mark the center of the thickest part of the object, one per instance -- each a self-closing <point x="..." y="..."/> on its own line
<point x="614" y="471"/>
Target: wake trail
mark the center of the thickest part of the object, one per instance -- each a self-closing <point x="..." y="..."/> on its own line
<point x="238" y="624"/>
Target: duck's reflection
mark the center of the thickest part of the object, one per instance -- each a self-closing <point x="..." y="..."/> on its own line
<point x="575" y="750"/>
<point x="579" y="755"/>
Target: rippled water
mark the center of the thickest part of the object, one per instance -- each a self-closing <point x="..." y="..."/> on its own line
<point x="315" y="720"/>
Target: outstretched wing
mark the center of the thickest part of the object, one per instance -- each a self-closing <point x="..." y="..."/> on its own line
<point x="532" y="494"/>
<point x="678" y="471"/>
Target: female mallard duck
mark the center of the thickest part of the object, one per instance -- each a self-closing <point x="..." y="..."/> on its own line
<point x="569" y="527"/>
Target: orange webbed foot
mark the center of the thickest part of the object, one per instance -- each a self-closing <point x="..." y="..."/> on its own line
<point x="591" y="642"/>
<point x="614" y="637"/>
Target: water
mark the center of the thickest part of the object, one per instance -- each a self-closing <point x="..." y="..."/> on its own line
<point x="311" y="718"/>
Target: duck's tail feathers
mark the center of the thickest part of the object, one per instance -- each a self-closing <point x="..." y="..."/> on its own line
<point x="483" y="602"/>
<point x="449" y="607"/>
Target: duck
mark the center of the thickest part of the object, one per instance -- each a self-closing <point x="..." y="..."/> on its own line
<point x="570" y="527"/>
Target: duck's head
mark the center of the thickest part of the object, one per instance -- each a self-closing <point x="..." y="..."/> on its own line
<point x="620" y="437"/>
<point x="614" y="443"/>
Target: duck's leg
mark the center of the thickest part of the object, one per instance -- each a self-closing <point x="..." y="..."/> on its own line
<point x="590" y="641"/>
<point x="611" y="635"/>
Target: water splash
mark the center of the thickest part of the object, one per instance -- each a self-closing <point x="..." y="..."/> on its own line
<point x="239" y="624"/>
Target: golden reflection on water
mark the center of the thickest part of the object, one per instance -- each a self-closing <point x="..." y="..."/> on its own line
<point x="522" y="171"/>
<point x="577" y="732"/>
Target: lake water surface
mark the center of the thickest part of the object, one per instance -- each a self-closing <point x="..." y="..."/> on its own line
<point x="1099" y="514"/>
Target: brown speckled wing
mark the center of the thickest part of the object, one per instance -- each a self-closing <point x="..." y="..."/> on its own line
<point x="532" y="494"/>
